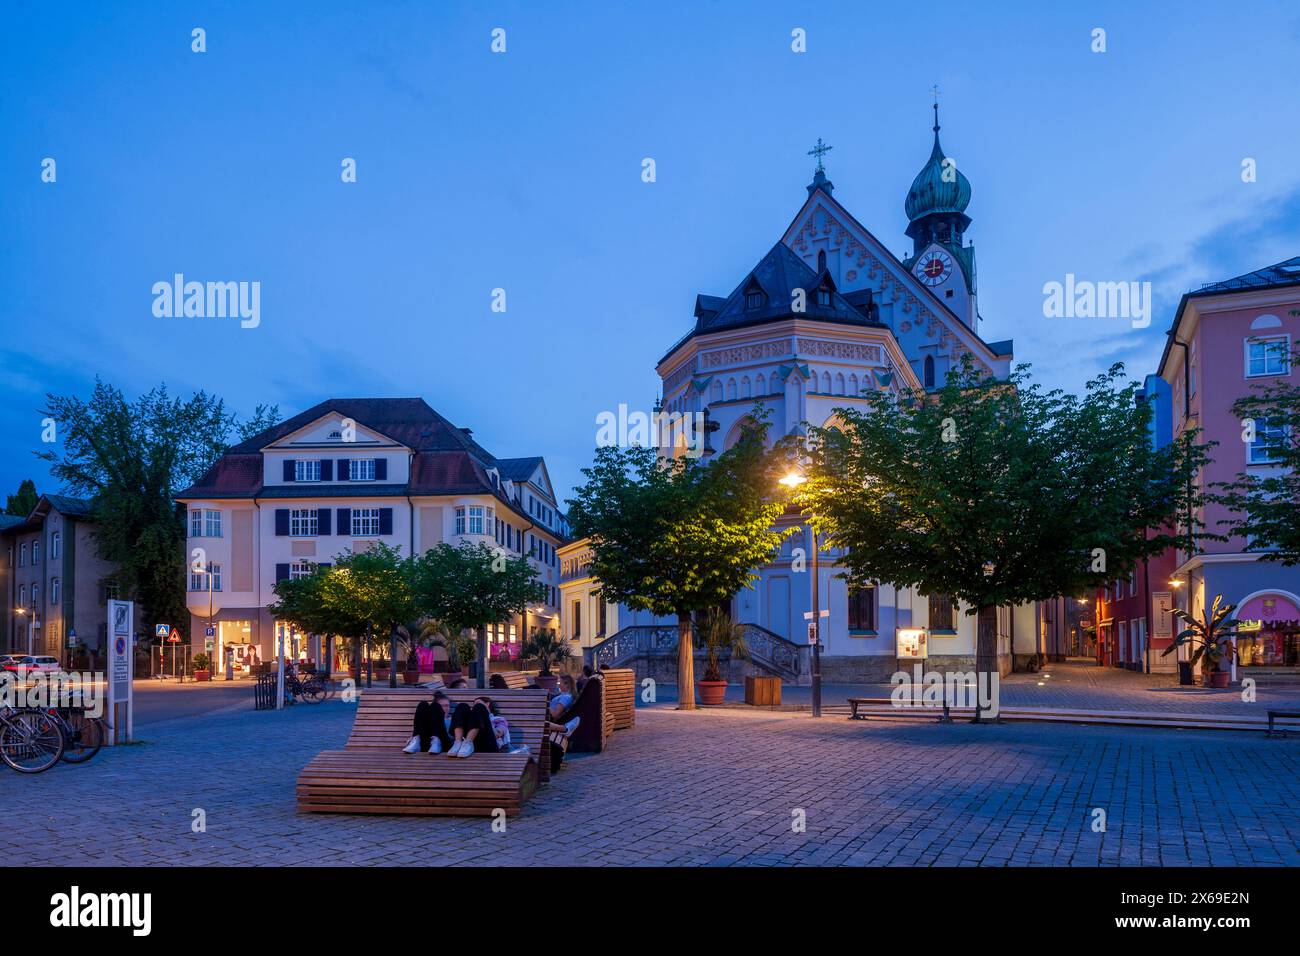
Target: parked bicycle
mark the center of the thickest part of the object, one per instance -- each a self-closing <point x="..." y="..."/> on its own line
<point x="312" y="688"/>
<point x="83" y="735"/>
<point x="31" y="741"/>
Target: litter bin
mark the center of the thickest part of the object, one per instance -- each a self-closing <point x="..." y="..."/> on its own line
<point x="1185" y="674"/>
<point x="763" y="691"/>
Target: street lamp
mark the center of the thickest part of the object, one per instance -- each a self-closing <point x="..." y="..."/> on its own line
<point x="793" y="480"/>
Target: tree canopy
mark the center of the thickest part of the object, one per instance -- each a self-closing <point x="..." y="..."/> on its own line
<point x="24" y="500"/>
<point x="675" y="536"/>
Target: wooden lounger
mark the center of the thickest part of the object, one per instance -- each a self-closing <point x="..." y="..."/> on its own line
<point x="515" y="680"/>
<point x="597" y="723"/>
<point x="372" y="775"/>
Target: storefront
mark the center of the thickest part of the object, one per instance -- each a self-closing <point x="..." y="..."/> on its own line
<point x="1268" y="634"/>
<point x="236" y="653"/>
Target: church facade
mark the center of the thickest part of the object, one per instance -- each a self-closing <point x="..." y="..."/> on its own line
<point x="827" y="316"/>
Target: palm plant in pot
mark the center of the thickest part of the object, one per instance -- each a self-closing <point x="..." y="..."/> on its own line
<point x="718" y="635"/>
<point x="550" y="650"/>
<point x="1210" y="640"/>
<point x="202" y="667"/>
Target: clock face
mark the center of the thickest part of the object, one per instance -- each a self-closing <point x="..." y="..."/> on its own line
<point x="933" y="267"/>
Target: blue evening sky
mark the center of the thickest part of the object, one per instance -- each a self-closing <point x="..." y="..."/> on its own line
<point x="522" y="171"/>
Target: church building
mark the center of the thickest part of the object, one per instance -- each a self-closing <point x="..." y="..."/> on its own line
<point x="827" y="315"/>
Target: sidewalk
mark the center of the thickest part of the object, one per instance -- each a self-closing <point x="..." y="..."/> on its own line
<point x="1073" y="686"/>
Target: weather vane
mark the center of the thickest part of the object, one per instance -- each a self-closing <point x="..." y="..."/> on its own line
<point x="820" y="150"/>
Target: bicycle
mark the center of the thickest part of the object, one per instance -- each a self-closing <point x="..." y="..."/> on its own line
<point x="31" y="741"/>
<point x="83" y="735"/>
<point x="313" y="689"/>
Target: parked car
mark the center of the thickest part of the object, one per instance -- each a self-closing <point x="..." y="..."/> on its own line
<point x="31" y="665"/>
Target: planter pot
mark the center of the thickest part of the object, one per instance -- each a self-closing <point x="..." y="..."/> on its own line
<point x="410" y="676"/>
<point x="381" y="673"/>
<point x="712" y="691"/>
<point x="549" y="681"/>
<point x="202" y="675"/>
<point x="1219" y="679"/>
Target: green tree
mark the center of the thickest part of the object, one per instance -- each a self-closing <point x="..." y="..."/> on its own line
<point x="377" y="586"/>
<point x="999" y="493"/>
<point x="1266" y="505"/>
<point x="131" y="459"/>
<point x="676" y="536"/>
<point x="22" y="503"/>
<point x="470" y="586"/>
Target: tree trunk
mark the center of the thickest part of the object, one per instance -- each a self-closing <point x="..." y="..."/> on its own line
<point x="356" y="660"/>
<point x="482" y="656"/>
<point x="685" y="664"/>
<point x="392" y="658"/>
<point x="986" y="650"/>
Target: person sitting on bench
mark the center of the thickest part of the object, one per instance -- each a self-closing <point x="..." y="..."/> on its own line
<point x="457" y="733"/>
<point x="586" y="676"/>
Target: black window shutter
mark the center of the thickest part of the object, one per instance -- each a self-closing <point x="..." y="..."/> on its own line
<point x="282" y="572"/>
<point x="281" y="521"/>
<point x="324" y="564"/>
<point x="288" y="469"/>
<point x="385" y="520"/>
<point x="381" y="469"/>
<point x="323" y="521"/>
<point x="343" y="470"/>
<point x="326" y="469"/>
<point x="345" y="520"/>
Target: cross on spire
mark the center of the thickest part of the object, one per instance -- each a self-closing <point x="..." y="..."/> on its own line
<point x="820" y="150"/>
<point x="934" y="91"/>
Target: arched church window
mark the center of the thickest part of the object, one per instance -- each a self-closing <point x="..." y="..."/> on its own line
<point x="821" y="260"/>
<point x="839" y="383"/>
<point x="760" y="386"/>
<point x="928" y="374"/>
<point x="715" y="393"/>
<point x="826" y="383"/>
<point x="854" y="388"/>
<point x="731" y="388"/>
<point x="744" y="386"/>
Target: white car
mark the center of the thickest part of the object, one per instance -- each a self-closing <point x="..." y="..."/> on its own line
<point x="32" y="665"/>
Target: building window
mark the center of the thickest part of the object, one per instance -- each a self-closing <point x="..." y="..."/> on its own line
<point x="205" y="523"/>
<point x="1270" y="440"/>
<point x="301" y="569"/>
<point x="36" y="596"/>
<point x="600" y="609"/>
<point x="928" y="372"/>
<point x="54" y="544"/>
<point x="1133" y="583"/>
<point x="823" y="297"/>
<point x="108" y="591"/>
<point x="1267" y="356"/>
<point x="365" y="522"/>
<point x="22" y="555"/>
<point x="577" y="620"/>
<point x="36" y="552"/>
<point x="54" y="591"/>
<point x="22" y="595"/>
<point x="304" y="522"/>
<point x="460" y="520"/>
<point x="475" y="522"/>
<point x="941" y="617"/>
<point x="489" y="517"/>
<point x="199" y="579"/>
<point x="306" y="470"/>
<point x="361" y="469"/>
<point x="862" y="609"/>
<point x="754" y="300"/>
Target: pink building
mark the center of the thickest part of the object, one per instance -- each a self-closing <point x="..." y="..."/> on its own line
<point x="1227" y="337"/>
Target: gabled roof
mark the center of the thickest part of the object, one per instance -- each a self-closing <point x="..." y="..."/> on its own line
<point x="8" y="521"/>
<point x="777" y="275"/>
<point x="518" y="469"/>
<point x="66" y="505"/>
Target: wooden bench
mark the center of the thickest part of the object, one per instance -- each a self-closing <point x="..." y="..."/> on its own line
<point x="597" y="723"/>
<point x="371" y="774"/>
<point x="620" y="689"/>
<point x="515" y="680"/>
<point x="1273" y="715"/>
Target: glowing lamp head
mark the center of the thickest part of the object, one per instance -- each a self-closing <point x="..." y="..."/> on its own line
<point x="793" y="480"/>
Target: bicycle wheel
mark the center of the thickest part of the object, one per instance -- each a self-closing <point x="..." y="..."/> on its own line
<point x="31" y="741"/>
<point x="85" y="737"/>
<point x="313" y="692"/>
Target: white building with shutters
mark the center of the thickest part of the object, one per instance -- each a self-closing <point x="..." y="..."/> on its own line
<point x="339" y="477"/>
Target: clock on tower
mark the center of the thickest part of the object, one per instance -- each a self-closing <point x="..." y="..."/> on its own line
<point x="933" y="267"/>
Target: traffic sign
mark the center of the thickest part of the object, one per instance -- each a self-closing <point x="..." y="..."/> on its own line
<point x="174" y="639"/>
<point x="209" y="631"/>
<point x="161" y="630"/>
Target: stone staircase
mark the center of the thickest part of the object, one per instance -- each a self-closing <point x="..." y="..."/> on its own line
<point x="769" y="652"/>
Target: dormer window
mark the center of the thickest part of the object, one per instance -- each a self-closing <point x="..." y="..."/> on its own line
<point x="754" y="300"/>
<point x="306" y="470"/>
<point x="824" y="297"/>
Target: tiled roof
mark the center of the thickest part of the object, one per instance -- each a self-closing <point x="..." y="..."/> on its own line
<point x="8" y="521"/>
<point x="518" y="469"/>
<point x="446" y="459"/>
<point x="67" y="505"/>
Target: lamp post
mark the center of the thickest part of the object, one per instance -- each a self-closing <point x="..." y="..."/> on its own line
<point x="792" y="481"/>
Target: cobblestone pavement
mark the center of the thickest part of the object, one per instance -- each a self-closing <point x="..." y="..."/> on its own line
<point x="1074" y="687"/>
<point x="691" y="788"/>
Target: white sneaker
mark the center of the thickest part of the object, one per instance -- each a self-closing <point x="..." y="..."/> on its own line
<point x="412" y="746"/>
<point x="466" y="748"/>
<point x="572" y="725"/>
<point x="455" y="748"/>
<point x="436" y="746"/>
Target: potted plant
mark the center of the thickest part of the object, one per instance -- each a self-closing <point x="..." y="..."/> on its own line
<point x="1210" y="641"/>
<point x="549" y="650"/>
<point x="202" y="667"/>
<point x="718" y="635"/>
